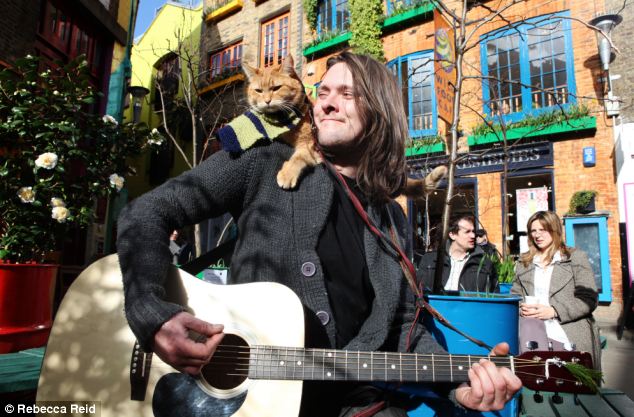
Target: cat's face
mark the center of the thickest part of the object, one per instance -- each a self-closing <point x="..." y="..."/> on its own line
<point x="275" y="88"/>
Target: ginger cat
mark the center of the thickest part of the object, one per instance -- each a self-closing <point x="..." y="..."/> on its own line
<point x="275" y="92"/>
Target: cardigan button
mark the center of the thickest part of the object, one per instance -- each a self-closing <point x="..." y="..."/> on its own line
<point x="323" y="317"/>
<point x="308" y="269"/>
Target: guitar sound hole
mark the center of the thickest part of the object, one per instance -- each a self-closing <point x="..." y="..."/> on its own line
<point x="229" y="366"/>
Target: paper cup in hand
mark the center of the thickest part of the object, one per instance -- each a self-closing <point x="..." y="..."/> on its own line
<point x="531" y="299"/>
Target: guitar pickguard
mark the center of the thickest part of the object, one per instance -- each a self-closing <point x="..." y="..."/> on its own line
<point x="180" y="395"/>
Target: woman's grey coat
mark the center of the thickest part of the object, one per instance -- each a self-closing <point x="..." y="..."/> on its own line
<point x="573" y="294"/>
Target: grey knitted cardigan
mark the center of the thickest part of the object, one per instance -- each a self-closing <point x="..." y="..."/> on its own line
<point x="573" y="294"/>
<point x="278" y="233"/>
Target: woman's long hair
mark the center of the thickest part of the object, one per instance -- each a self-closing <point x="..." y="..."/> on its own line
<point x="381" y="172"/>
<point x="551" y="222"/>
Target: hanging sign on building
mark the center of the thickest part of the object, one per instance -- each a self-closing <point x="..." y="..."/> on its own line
<point x="530" y="155"/>
<point x="444" y="66"/>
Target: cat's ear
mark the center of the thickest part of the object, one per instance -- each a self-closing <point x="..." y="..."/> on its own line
<point x="249" y="70"/>
<point x="288" y="65"/>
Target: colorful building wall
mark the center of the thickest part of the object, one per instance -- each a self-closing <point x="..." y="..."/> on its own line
<point x="550" y="157"/>
<point x="175" y="30"/>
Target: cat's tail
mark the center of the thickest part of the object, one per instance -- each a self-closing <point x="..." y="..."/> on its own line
<point x="420" y="188"/>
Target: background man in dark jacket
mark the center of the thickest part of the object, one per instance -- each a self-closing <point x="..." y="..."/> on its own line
<point x="467" y="267"/>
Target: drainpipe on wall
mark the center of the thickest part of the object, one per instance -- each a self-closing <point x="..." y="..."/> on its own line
<point x="116" y="97"/>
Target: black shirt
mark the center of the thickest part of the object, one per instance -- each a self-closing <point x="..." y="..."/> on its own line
<point x="342" y="255"/>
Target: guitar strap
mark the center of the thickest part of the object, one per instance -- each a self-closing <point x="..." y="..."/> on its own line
<point x="223" y="251"/>
<point x="404" y="261"/>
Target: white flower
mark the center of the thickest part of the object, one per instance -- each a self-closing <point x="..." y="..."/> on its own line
<point x="56" y="93"/>
<point x="60" y="213"/>
<point x="109" y="119"/>
<point x="117" y="181"/>
<point x="57" y="202"/>
<point x="155" y="138"/>
<point x="46" y="160"/>
<point x="26" y="194"/>
<point x="29" y="56"/>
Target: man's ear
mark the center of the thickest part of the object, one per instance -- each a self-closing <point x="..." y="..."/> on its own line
<point x="249" y="71"/>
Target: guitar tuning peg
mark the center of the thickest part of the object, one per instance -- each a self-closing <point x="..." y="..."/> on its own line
<point x="532" y="345"/>
<point x="569" y="347"/>
<point x="558" y="399"/>
<point x="538" y="398"/>
<point x="550" y="346"/>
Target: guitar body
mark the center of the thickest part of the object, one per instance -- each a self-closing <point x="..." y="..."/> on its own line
<point x="89" y="355"/>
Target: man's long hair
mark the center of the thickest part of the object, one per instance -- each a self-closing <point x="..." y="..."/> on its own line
<point x="551" y="222"/>
<point x="381" y="172"/>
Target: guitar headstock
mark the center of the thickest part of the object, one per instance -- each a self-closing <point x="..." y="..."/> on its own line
<point x="547" y="371"/>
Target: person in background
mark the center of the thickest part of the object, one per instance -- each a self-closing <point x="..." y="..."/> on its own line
<point x="482" y="240"/>
<point x="179" y="248"/>
<point x="467" y="267"/>
<point x="558" y="285"/>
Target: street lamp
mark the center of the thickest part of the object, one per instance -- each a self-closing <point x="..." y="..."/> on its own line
<point x="605" y="23"/>
<point x="138" y="93"/>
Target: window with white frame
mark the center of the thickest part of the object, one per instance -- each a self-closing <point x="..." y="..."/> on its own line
<point x="528" y="67"/>
<point x="415" y="74"/>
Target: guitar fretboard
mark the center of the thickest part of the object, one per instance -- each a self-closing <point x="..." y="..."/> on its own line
<point x="266" y="362"/>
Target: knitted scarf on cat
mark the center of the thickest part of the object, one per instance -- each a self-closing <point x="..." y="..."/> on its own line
<point x="243" y="131"/>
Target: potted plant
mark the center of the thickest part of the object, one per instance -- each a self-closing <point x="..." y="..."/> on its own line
<point x="57" y="156"/>
<point x="506" y="273"/>
<point x="582" y="202"/>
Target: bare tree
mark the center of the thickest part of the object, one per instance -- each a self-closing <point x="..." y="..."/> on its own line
<point x="190" y="112"/>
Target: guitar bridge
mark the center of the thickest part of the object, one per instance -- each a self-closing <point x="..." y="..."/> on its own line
<point x="139" y="373"/>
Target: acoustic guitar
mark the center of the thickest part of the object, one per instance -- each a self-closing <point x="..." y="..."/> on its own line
<point x="92" y="355"/>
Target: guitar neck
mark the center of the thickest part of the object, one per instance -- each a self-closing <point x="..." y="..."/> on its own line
<point x="267" y="362"/>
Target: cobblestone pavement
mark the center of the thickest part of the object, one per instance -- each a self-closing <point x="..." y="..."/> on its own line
<point x="617" y="359"/>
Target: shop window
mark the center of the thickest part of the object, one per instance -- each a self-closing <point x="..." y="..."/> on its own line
<point x="528" y="68"/>
<point x="415" y="74"/>
<point x="225" y="63"/>
<point x="333" y="16"/>
<point x="274" y="35"/>
<point x="427" y="218"/>
<point x="528" y="192"/>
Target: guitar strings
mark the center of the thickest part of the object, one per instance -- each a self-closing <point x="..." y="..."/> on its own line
<point x="257" y="352"/>
<point x="260" y="348"/>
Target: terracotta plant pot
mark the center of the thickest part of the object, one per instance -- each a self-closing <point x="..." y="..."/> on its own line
<point x="26" y="305"/>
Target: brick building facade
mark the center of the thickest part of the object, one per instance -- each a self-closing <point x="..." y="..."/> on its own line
<point x="623" y="88"/>
<point x="552" y="56"/>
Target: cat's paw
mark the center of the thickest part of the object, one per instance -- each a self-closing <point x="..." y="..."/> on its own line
<point x="287" y="178"/>
<point x="435" y="176"/>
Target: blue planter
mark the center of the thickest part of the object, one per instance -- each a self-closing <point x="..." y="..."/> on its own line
<point x="492" y="318"/>
<point x="505" y="288"/>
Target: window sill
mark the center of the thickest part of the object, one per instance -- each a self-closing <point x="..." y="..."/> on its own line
<point x="324" y="46"/>
<point x="403" y="18"/>
<point x="222" y="12"/>
<point x="573" y="125"/>
<point x="425" y="149"/>
<point x="218" y="84"/>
